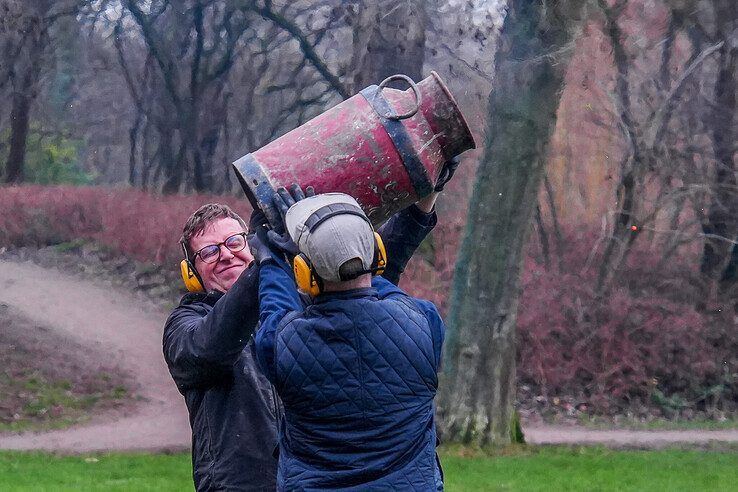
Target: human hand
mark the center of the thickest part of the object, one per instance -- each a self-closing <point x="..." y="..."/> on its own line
<point x="447" y="172"/>
<point x="259" y="244"/>
<point x="284" y="199"/>
<point x="258" y="219"/>
<point x="283" y="243"/>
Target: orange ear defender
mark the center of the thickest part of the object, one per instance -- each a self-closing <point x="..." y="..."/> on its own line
<point x="190" y="277"/>
<point x="310" y="282"/>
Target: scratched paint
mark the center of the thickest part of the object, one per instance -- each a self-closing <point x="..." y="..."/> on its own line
<point x="347" y="149"/>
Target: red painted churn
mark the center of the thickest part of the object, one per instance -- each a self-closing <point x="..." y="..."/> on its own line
<point x="385" y="147"/>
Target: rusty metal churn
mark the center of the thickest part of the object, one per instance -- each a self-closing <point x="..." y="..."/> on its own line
<point x="385" y="147"/>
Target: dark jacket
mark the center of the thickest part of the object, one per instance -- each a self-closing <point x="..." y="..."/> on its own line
<point x="357" y="374"/>
<point x="232" y="407"/>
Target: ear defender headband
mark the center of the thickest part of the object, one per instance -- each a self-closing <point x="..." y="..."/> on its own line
<point x="306" y="277"/>
<point x="190" y="277"/>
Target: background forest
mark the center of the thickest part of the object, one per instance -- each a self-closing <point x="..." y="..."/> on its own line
<point x="622" y="299"/>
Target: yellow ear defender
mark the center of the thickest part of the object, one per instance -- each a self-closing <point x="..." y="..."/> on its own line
<point x="190" y="277"/>
<point x="380" y="255"/>
<point x="310" y="282"/>
<point x="305" y="277"/>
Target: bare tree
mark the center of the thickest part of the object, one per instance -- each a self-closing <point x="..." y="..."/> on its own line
<point x="720" y="224"/>
<point x="645" y="103"/>
<point x="194" y="45"/>
<point x="24" y="39"/>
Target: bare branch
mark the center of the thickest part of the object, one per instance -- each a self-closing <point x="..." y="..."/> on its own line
<point x="661" y="116"/>
<point x="305" y="46"/>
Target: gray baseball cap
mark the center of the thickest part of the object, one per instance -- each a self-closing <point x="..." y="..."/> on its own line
<point x="331" y="229"/>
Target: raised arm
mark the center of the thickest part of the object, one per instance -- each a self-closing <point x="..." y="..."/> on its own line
<point x="200" y="347"/>
<point x="278" y="297"/>
<point x="402" y="234"/>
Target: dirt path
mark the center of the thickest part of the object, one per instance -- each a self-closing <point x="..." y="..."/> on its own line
<point x="113" y="322"/>
<point x="623" y="438"/>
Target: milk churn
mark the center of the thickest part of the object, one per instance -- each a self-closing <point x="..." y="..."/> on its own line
<point x="385" y="147"/>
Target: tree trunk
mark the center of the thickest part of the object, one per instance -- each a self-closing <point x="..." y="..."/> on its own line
<point x="19" y="124"/>
<point x="171" y="163"/>
<point x="389" y="38"/>
<point x="133" y="141"/>
<point x="722" y="221"/>
<point x="478" y="389"/>
<point x="632" y="167"/>
<point x="25" y="75"/>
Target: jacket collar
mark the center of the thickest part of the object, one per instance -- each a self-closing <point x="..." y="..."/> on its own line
<point x="345" y="295"/>
<point x="210" y="297"/>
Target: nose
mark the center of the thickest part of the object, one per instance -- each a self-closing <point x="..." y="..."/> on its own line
<point x="225" y="253"/>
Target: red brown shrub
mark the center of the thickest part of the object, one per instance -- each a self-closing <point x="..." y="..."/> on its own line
<point x="644" y="339"/>
<point x="129" y="222"/>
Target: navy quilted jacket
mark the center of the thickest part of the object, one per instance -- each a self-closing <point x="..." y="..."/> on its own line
<point x="356" y="372"/>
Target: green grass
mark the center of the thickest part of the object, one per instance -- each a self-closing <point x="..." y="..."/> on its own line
<point x="594" y="469"/>
<point x="52" y="404"/>
<point x="523" y="468"/>
<point x="134" y="472"/>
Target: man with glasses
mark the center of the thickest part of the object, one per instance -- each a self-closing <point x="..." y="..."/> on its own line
<point x="208" y="344"/>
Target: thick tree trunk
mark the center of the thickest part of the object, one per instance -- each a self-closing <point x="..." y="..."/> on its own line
<point x="389" y="38"/>
<point x="478" y="389"/>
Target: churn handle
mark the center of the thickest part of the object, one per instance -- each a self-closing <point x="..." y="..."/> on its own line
<point x="416" y="92"/>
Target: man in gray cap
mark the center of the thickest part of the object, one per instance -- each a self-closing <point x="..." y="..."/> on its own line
<point x="357" y="369"/>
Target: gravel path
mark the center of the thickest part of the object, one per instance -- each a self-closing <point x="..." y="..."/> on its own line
<point x="115" y="323"/>
<point x="624" y="438"/>
<point x="112" y="323"/>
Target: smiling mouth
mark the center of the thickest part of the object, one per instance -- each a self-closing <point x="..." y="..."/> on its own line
<point x="228" y="268"/>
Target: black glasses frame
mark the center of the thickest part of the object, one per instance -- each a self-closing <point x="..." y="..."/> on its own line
<point x="218" y="245"/>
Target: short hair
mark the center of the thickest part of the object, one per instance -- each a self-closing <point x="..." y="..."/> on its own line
<point x="351" y="269"/>
<point x="203" y="217"/>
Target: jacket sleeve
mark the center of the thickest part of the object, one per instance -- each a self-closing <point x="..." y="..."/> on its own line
<point x="429" y="310"/>
<point x="200" y="347"/>
<point x="402" y="234"/>
<point x="438" y="328"/>
<point x="278" y="296"/>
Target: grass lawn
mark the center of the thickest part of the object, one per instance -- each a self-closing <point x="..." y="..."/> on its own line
<point x="527" y="468"/>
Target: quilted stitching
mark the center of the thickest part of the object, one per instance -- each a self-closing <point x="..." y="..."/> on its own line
<point x="360" y="370"/>
<point x="422" y="350"/>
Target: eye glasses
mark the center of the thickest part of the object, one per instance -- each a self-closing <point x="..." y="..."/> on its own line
<point x="211" y="252"/>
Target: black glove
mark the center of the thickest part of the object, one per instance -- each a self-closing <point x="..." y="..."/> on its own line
<point x="259" y="245"/>
<point x="284" y="199"/>
<point x="447" y="172"/>
<point x="257" y="219"/>
<point x="283" y="243"/>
